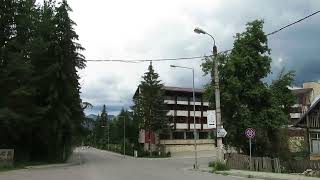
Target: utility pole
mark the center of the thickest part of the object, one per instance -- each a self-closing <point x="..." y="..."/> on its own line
<point x="218" y="107"/>
<point x="124" y="136"/>
<point x="195" y="166"/>
<point x="194" y="124"/>
<point x="108" y="135"/>
<point x="217" y="93"/>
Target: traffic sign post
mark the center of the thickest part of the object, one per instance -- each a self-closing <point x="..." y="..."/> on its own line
<point x="250" y="133"/>
<point x="221" y="132"/>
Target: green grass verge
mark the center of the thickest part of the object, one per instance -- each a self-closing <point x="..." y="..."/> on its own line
<point x="22" y="165"/>
<point x="218" y="166"/>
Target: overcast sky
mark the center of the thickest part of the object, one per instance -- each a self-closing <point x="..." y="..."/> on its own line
<point x="146" y="29"/>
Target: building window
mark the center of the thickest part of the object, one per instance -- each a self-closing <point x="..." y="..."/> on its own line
<point x="315" y="143"/>
<point x="296" y="110"/>
<point x="182" y="98"/>
<point x="164" y="136"/>
<point x="204" y="120"/>
<point x="198" y="99"/>
<point x="198" y="120"/>
<point x="203" y="135"/>
<point x="169" y="98"/>
<point x="181" y="119"/>
<point x="189" y="135"/>
<point x="178" y="135"/>
<point x="171" y="119"/>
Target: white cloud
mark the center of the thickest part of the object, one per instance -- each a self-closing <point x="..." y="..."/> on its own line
<point x="117" y="29"/>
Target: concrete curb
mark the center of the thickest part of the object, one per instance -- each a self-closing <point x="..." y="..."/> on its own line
<point x="50" y="166"/>
<point x="255" y="176"/>
<point x="245" y="176"/>
<point x="226" y="173"/>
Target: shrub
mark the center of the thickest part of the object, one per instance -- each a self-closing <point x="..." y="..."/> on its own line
<point x="218" y="166"/>
<point x="168" y="154"/>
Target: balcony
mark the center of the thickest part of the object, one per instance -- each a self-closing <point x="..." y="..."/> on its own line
<point x="185" y="113"/>
<point x="185" y="126"/>
<point x="295" y="115"/>
<point x="169" y="101"/>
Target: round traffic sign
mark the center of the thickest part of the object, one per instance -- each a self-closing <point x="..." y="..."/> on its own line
<point x="250" y="133"/>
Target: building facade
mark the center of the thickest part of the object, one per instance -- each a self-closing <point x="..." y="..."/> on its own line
<point x="305" y="125"/>
<point x="305" y="97"/>
<point x="310" y="121"/>
<point x="179" y="102"/>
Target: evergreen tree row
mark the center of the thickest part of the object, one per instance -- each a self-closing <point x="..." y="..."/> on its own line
<point x="40" y="106"/>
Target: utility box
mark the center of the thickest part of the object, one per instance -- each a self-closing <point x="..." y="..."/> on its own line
<point x="135" y="152"/>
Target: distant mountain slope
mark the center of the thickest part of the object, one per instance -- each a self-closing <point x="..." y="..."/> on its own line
<point x="94" y="117"/>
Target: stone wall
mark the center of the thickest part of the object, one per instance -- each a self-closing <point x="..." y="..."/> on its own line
<point x="6" y="156"/>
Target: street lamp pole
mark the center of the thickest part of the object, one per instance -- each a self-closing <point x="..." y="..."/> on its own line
<point x="194" y="116"/>
<point x="194" y="124"/>
<point x="108" y="136"/>
<point x="124" y="135"/>
<point x="217" y="92"/>
<point x="104" y="134"/>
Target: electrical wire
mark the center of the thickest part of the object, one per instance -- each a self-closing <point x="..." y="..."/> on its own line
<point x="148" y="60"/>
<point x="196" y="57"/>
<point x="284" y="27"/>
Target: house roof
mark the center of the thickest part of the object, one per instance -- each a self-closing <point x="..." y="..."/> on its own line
<point x="301" y="90"/>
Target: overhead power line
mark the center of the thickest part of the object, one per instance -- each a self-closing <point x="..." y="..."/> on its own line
<point x="195" y="57"/>
<point x="147" y="60"/>
<point x="284" y="27"/>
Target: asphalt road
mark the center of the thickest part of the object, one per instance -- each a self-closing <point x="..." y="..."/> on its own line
<point x="102" y="165"/>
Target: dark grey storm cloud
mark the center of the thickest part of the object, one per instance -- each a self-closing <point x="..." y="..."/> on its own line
<point x="299" y="49"/>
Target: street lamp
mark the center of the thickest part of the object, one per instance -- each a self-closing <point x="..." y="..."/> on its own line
<point x="217" y="90"/>
<point x="108" y="126"/>
<point x="124" y="133"/>
<point x="194" y="115"/>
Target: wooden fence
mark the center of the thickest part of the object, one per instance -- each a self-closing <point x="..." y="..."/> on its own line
<point x="300" y="166"/>
<point x="240" y="161"/>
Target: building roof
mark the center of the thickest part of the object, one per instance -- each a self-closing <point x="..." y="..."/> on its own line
<point x="181" y="89"/>
<point x="297" y="90"/>
<point x="177" y="89"/>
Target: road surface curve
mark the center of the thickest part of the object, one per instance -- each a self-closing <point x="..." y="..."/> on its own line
<point x="103" y="165"/>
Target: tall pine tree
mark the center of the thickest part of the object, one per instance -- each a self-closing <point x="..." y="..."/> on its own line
<point x="40" y="120"/>
<point x="150" y="106"/>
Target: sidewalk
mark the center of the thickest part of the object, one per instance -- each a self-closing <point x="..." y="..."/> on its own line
<point x="262" y="175"/>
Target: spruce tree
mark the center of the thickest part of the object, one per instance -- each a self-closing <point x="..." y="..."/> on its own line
<point x="103" y="125"/>
<point x="40" y="110"/>
<point x="150" y="106"/>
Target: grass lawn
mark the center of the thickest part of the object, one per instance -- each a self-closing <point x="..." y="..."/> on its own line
<point x="21" y="165"/>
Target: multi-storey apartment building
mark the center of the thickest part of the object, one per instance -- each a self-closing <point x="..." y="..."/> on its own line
<point x="180" y="113"/>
